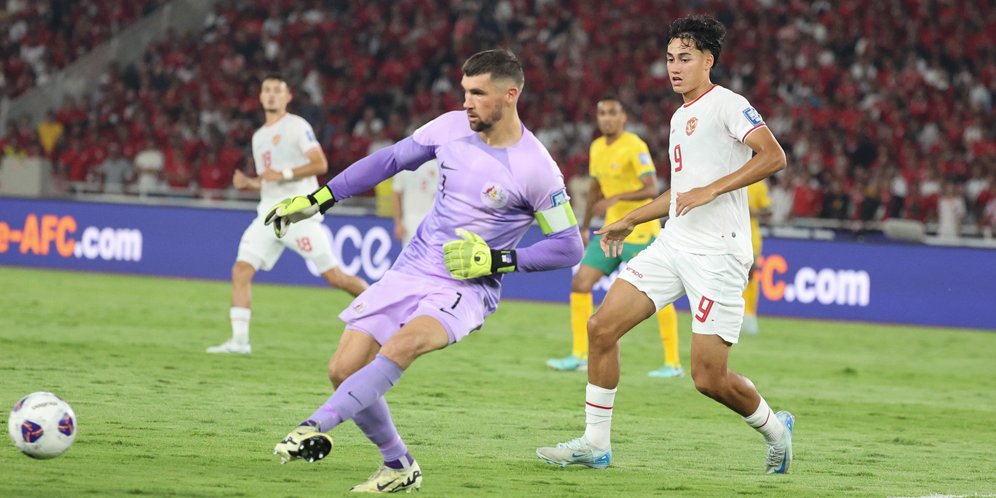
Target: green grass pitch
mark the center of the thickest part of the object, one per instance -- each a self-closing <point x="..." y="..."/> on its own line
<point x="880" y="410"/>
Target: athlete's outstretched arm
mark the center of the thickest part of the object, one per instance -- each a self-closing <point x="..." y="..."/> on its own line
<point x="366" y="173"/>
<point x="614" y="234"/>
<point x="769" y="158"/>
<point x="359" y="177"/>
<point x="559" y="250"/>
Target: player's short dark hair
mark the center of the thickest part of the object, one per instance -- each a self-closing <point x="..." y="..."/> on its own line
<point x="275" y="77"/>
<point x="500" y="63"/>
<point x="613" y="98"/>
<point x="704" y="32"/>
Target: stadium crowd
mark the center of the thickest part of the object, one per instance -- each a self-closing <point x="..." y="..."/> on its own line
<point x="884" y="108"/>
<point x="41" y="37"/>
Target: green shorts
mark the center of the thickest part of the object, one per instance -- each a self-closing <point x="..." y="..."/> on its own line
<point x="596" y="258"/>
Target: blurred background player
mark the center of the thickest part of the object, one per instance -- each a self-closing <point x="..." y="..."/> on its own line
<point x="704" y="252"/>
<point x="759" y="205"/>
<point x="287" y="157"/>
<point x="496" y="178"/>
<point x="414" y="192"/>
<point x="623" y="179"/>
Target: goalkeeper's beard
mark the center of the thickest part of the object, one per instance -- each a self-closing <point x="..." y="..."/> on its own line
<point x="483" y="125"/>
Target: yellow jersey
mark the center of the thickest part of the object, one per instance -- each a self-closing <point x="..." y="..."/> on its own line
<point x="618" y="168"/>
<point x="757" y="199"/>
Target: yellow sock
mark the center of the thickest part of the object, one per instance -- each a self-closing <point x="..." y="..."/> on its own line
<point x="667" y="320"/>
<point x="581" y="308"/>
<point x="751" y="295"/>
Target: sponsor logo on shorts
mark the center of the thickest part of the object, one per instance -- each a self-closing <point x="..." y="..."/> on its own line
<point x="359" y="307"/>
<point x="634" y="272"/>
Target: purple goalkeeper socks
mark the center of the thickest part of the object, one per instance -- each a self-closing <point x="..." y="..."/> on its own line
<point x="401" y="462"/>
<point x="356" y="393"/>
<point x="375" y="422"/>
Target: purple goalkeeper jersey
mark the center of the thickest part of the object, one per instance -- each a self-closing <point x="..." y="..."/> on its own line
<point x="493" y="192"/>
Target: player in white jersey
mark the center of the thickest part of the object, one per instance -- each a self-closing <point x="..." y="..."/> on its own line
<point x="414" y="192"/>
<point x="704" y="251"/>
<point x="287" y="157"/>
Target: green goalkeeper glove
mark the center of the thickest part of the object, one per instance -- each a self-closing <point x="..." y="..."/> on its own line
<point x="471" y="257"/>
<point x="297" y="208"/>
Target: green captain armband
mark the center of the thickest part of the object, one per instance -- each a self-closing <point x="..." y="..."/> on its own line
<point x="557" y="218"/>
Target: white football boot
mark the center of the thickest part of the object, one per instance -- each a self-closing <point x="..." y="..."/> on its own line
<point x="230" y="346"/>
<point x="576" y="451"/>
<point x="388" y="480"/>
<point x="304" y="442"/>
<point x="779" y="455"/>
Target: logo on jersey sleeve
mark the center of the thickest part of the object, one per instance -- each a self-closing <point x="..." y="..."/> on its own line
<point x="494" y="195"/>
<point x="310" y="136"/>
<point x="645" y="158"/>
<point x="753" y="116"/>
<point x="559" y="198"/>
<point x="691" y="125"/>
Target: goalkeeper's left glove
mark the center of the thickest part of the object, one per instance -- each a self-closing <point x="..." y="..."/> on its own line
<point x="471" y="257"/>
<point x="297" y="208"/>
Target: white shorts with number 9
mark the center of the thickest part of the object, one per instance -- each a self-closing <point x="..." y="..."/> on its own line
<point x="261" y="248"/>
<point x="714" y="284"/>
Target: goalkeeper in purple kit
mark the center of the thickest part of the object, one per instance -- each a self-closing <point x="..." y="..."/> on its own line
<point x="495" y="178"/>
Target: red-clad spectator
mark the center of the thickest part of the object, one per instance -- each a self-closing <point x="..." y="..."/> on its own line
<point x="211" y="176"/>
<point x="231" y="158"/>
<point x="73" y="163"/>
<point x="94" y="150"/>
<point x="176" y="167"/>
<point x="807" y="198"/>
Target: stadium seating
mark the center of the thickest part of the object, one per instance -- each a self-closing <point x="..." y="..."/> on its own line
<point x="42" y="36"/>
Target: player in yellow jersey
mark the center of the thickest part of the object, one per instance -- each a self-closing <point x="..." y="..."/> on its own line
<point x="760" y="208"/>
<point x="624" y="178"/>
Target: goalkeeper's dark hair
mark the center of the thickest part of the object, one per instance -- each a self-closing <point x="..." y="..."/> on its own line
<point x="500" y="63"/>
<point x="703" y="32"/>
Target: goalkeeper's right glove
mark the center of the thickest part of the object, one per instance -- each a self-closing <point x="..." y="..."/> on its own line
<point x="297" y="208"/>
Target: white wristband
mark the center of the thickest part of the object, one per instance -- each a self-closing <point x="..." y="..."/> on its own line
<point x="288" y="174"/>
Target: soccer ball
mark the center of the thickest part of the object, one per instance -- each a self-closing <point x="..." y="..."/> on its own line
<point x="42" y="425"/>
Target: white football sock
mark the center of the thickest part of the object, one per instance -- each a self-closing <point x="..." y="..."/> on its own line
<point x="765" y="421"/>
<point x="598" y="415"/>
<point x="240" y="324"/>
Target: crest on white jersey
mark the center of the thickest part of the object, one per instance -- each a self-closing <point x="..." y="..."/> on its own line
<point x="691" y="125"/>
<point x="494" y="195"/>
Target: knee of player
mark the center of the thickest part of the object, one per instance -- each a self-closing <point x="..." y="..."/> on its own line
<point x="599" y="331"/>
<point x="337" y="374"/>
<point x="707" y="383"/>
<point x="242" y="271"/>
<point x="578" y="285"/>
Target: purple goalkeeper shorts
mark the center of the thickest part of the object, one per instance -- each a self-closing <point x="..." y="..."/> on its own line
<point x="381" y="310"/>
